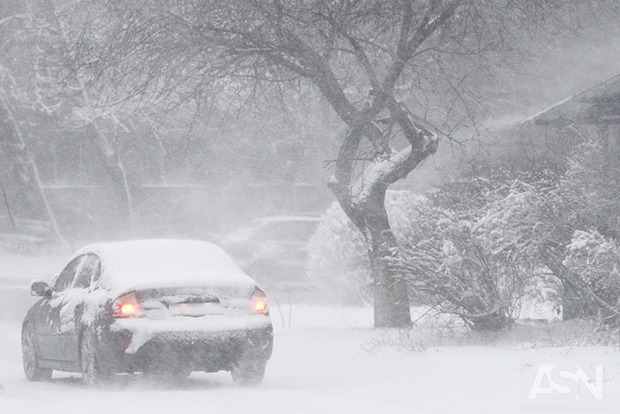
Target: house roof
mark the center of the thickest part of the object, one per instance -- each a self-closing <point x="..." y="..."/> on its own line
<point x="597" y="105"/>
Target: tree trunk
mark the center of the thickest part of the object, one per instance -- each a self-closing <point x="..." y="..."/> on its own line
<point x="391" y="295"/>
<point x="120" y="184"/>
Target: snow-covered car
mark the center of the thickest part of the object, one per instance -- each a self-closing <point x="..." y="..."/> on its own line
<point x="152" y="306"/>
<point x="273" y="249"/>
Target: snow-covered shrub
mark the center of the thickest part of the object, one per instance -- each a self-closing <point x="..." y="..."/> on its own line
<point x="511" y="227"/>
<point x="473" y="251"/>
<point x="449" y="269"/>
<point x="515" y="229"/>
<point x="338" y="261"/>
<point x="592" y="262"/>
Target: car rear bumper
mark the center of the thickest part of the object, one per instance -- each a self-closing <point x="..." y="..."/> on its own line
<point x="197" y="344"/>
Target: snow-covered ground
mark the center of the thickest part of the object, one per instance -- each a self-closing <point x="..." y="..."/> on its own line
<point x="330" y="360"/>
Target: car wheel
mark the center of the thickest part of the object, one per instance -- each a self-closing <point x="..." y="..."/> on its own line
<point x="32" y="369"/>
<point x="92" y="374"/>
<point x="248" y="371"/>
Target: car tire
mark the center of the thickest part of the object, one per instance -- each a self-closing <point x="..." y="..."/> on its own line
<point x="32" y="368"/>
<point x="92" y="374"/>
<point x="248" y="371"/>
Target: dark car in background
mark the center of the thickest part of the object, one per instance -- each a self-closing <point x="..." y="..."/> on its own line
<point x="153" y="306"/>
<point x="274" y="249"/>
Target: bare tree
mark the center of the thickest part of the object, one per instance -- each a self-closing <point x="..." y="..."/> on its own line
<point x="19" y="28"/>
<point x="379" y="64"/>
<point x="32" y="45"/>
<point x="88" y="117"/>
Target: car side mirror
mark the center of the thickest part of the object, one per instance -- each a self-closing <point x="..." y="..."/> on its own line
<point x="39" y="288"/>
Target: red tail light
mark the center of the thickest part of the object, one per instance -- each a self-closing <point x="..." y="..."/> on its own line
<point x="259" y="303"/>
<point x="126" y="306"/>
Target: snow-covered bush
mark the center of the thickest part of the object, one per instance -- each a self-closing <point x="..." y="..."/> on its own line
<point x="449" y="269"/>
<point x="474" y="251"/>
<point x="515" y="229"/>
<point x="338" y="261"/>
<point x="592" y="262"/>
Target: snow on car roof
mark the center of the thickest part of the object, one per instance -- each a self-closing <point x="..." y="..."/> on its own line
<point x="166" y="263"/>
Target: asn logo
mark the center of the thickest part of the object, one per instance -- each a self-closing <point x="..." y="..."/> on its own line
<point x="572" y="380"/>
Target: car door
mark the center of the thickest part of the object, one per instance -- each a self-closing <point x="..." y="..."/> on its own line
<point x="86" y="274"/>
<point x="43" y="329"/>
<point x="47" y="324"/>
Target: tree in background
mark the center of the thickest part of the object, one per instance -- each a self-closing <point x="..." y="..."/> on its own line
<point x="23" y="100"/>
<point x="33" y="100"/>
